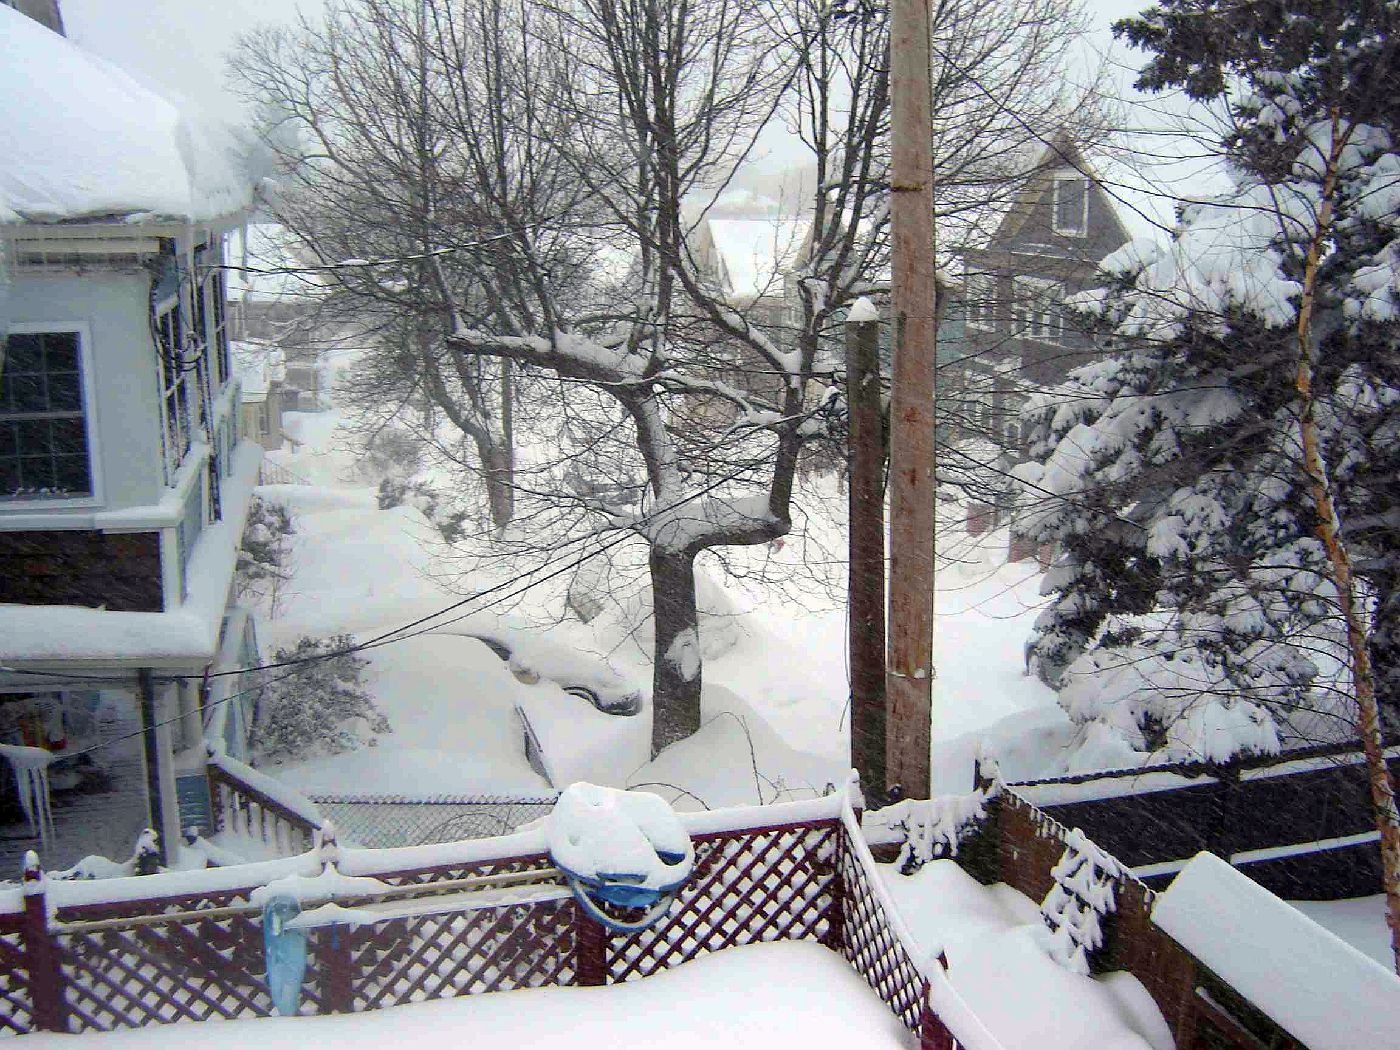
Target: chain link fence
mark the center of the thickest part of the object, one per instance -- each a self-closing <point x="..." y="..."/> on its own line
<point x="386" y="821"/>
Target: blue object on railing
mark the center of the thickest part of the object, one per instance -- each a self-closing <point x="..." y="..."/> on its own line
<point x="619" y="850"/>
<point x="285" y="949"/>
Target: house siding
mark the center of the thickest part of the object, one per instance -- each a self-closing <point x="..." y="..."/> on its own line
<point x="120" y="571"/>
<point x="111" y="309"/>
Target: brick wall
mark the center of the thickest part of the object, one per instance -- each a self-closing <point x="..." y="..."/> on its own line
<point x="1019" y="845"/>
<point x="120" y="572"/>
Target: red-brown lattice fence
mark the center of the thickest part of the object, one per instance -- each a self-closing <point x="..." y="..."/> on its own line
<point x="447" y="920"/>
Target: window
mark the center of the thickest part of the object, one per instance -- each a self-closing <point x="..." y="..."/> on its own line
<point x="1039" y="309"/>
<point x="174" y="390"/>
<point x="217" y="291"/>
<point x="981" y="301"/>
<point x="1071" y="205"/>
<point x="43" y="427"/>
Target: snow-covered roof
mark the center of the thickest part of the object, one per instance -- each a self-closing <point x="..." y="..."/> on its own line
<point x="755" y="252"/>
<point x="1319" y="988"/>
<point x="82" y="139"/>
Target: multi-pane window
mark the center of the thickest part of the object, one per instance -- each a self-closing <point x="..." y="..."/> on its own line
<point x="174" y="388"/>
<point x="218" y="292"/>
<point x="1039" y="311"/>
<point x="1071" y="205"/>
<point x="981" y="301"/>
<point x="43" y="429"/>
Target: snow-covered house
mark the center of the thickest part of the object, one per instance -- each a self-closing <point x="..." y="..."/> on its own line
<point x="273" y="300"/>
<point x="123" y="482"/>
<point x="1020" y="335"/>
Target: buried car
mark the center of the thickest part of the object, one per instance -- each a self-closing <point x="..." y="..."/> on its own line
<point x="583" y="675"/>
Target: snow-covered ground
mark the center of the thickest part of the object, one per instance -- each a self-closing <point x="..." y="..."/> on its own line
<point x="1020" y="994"/>
<point x="776" y="694"/>
<point x="728" y="999"/>
<point x="1360" y="922"/>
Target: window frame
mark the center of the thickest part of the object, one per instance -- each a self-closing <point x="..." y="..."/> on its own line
<point x="982" y="305"/>
<point x="1040" y="309"/>
<point x="1062" y="177"/>
<point x="90" y="420"/>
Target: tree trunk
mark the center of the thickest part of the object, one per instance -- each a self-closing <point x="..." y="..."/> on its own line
<point x="1339" y="559"/>
<point x="500" y="489"/>
<point x="676" y="680"/>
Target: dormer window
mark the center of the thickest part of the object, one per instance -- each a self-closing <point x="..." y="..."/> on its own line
<point x="44" y="452"/>
<point x="1071" y="204"/>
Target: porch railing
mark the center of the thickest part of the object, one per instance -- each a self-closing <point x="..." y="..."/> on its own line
<point x="252" y="805"/>
<point x="188" y="946"/>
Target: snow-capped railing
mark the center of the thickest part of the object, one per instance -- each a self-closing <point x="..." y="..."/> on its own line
<point x="249" y="804"/>
<point x="275" y="474"/>
<point x="403" y="925"/>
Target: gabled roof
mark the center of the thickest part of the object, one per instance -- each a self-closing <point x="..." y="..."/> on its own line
<point x="81" y="140"/>
<point x="1059" y="155"/>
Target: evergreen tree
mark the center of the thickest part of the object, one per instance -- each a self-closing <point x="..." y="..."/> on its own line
<point x="317" y="707"/>
<point x="1194" y="607"/>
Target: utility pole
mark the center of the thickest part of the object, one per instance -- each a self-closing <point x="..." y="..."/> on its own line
<point x="866" y="563"/>
<point x="909" y="673"/>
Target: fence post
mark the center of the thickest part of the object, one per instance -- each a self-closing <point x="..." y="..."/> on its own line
<point x="590" y="951"/>
<point x="46" y="991"/>
<point x="933" y="1033"/>
<point x="338" y="960"/>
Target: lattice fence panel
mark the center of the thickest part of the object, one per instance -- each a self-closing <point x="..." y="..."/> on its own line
<point x="16" y="1013"/>
<point x="463" y="953"/>
<point x="764" y="885"/>
<point x="872" y="947"/>
<point x="181" y="970"/>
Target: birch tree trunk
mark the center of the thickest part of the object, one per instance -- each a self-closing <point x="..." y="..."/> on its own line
<point x="1329" y="531"/>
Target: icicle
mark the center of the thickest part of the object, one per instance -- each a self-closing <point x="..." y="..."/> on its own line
<point x="31" y="768"/>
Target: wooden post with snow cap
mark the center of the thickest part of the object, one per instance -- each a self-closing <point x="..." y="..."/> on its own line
<point x="47" y="995"/>
<point x="866" y="561"/>
<point x="909" y="674"/>
<point x="333" y="943"/>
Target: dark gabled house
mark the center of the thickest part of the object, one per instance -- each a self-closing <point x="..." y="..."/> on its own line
<point x="1020" y="336"/>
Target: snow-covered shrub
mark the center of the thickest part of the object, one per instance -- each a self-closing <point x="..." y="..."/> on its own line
<point x="421" y="495"/>
<point x="318" y="705"/>
<point x="392" y="453"/>
<point x="262" y="555"/>
<point x="926" y="829"/>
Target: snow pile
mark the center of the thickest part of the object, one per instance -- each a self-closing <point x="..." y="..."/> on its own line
<point x="1024" y="999"/>
<point x="599" y="833"/>
<point x="84" y="140"/>
<point x="783" y="994"/>
<point x="1301" y="975"/>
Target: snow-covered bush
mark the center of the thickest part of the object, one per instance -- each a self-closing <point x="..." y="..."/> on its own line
<point x="318" y="705"/>
<point x="262" y="555"/>
<point x="1075" y="908"/>
<point x="397" y="492"/>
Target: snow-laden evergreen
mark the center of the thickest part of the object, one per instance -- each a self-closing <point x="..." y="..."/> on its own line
<point x="1192" y="610"/>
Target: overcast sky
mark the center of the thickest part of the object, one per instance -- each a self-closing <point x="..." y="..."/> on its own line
<point x="181" y="46"/>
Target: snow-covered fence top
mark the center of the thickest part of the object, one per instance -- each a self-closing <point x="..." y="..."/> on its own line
<point x="392" y="926"/>
<point x="1317" y="987"/>
<point x="1300" y="823"/>
<point x="230" y="884"/>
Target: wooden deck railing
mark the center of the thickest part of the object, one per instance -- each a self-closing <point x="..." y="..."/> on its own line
<point x="188" y="946"/>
